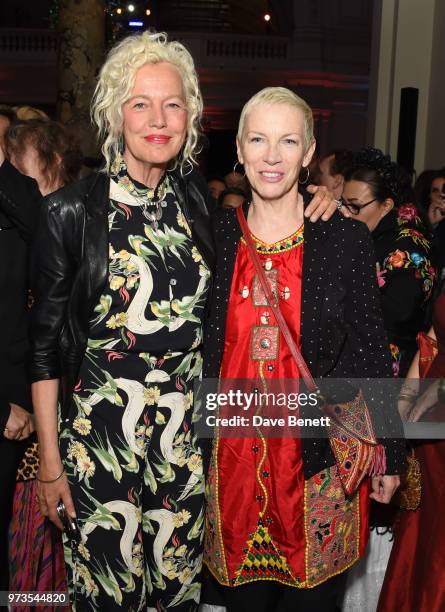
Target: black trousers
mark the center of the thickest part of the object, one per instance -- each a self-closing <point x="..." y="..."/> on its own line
<point x="271" y="596"/>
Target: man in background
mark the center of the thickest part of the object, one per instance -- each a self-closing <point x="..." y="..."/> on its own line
<point x="331" y="171"/>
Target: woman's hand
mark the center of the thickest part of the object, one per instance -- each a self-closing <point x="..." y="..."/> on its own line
<point x="405" y="407"/>
<point x="436" y="212"/>
<point x="20" y="424"/>
<point x="50" y="494"/>
<point x="426" y="401"/>
<point x="323" y="204"/>
<point x="44" y="397"/>
<point x="384" y="487"/>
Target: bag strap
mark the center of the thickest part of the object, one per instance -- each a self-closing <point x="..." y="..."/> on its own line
<point x="273" y="303"/>
<point x="284" y="328"/>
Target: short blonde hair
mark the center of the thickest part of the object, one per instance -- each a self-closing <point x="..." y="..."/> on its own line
<point x="279" y="95"/>
<point x="116" y="80"/>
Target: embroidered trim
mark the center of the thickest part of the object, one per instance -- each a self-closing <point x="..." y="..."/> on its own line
<point x="264" y="342"/>
<point x="291" y="242"/>
<point x="263" y="561"/>
<point x="332" y="527"/>
<point x="214" y="552"/>
<point x="258" y="296"/>
<point x="405" y="259"/>
<point x="264" y="444"/>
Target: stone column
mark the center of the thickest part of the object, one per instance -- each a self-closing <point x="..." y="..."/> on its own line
<point x="81" y="27"/>
<point x="408" y="51"/>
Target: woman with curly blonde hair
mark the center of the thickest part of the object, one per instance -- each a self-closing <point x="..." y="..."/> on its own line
<point x="121" y="275"/>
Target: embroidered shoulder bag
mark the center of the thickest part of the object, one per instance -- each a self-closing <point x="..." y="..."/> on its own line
<point x="351" y="434"/>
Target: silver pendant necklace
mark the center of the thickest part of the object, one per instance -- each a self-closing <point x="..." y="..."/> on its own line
<point x="153" y="217"/>
<point x="148" y="202"/>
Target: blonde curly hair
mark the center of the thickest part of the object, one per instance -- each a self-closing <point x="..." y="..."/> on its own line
<point x="116" y="80"/>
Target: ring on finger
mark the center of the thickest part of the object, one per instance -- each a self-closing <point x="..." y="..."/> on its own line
<point x="339" y="204"/>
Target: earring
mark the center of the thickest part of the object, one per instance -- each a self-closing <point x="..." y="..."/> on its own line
<point x="235" y="170"/>
<point x="307" y="177"/>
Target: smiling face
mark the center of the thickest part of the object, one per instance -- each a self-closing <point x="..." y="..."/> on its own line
<point x="154" y="118"/>
<point x="272" y="150"/>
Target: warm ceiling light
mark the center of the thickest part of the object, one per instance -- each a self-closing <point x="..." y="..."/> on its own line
<point x="119" y="11"/>
<point x="148" y="12"/>
<point x="267" y="17"/>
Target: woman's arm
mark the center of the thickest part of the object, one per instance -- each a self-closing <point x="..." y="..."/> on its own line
<point x="416" y="407"/>
<point x="45" y="395"/>
<point x="407" y="280"/>
<point x="51" y="280"/>
<point x="20" y="201"/>
<point x="52" y="274"/>
<point x="369" y="344"/>
<point x="409" y="391"/>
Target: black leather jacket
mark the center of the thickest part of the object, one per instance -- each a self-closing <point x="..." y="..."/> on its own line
<point x="70" y="267"/>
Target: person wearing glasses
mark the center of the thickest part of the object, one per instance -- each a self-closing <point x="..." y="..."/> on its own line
<point x="376" y="192"/>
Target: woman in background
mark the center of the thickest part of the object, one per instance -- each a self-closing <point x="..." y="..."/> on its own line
<point x="231" y="198"/>
<point x="430" y="194"/>
<point x="415" y="580"/>
<point x="18" y="221"/>
<point x="45" y="151"/>
<point x="377" y="194"/>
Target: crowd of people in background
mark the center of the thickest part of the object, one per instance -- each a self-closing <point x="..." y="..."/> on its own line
<point x="427" y="192"/>
<point x="406" y="222"/>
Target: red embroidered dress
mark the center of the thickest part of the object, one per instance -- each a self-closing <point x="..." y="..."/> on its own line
<point x="263" y="521"/>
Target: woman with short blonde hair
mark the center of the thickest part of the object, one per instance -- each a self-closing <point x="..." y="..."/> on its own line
<point x="287" y="305"/>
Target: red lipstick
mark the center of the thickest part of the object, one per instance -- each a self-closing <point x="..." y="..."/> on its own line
<point x="157" y="138"/>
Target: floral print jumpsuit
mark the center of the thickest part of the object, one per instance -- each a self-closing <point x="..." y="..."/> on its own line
<point x="132" y="458"/>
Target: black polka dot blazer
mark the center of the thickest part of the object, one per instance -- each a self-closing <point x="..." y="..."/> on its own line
<point x="342" y="332"/>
